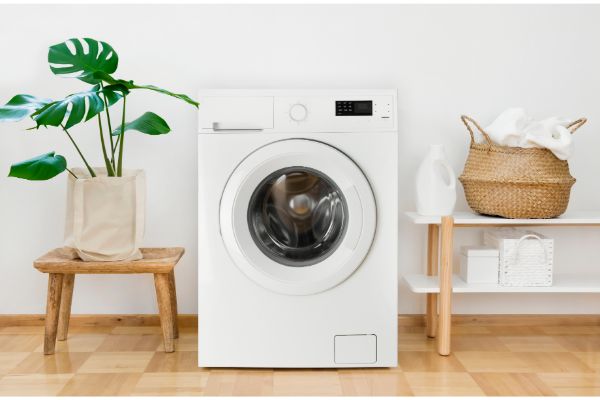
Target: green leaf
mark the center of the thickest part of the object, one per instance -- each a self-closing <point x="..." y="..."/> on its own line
<point x="39" y="168"/>
<point x="82" y="64"/>
<point x="103" y="76"/>
<point x="114" y="93"/>
<point x="131" y="86"/>
<point x="149" y="123"/>
<point x="179" y="96"/>
<point x="117" y="89"/>
<point x="74" y="107"/>
<point x="21" y="106"/>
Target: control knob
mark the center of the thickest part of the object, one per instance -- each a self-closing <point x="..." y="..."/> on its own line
<point x="298" y="112"/>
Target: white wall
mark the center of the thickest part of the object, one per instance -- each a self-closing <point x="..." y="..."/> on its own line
<point x="444" y="60"/>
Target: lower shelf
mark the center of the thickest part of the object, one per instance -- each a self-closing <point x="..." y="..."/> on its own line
<point x="563" y="283"/>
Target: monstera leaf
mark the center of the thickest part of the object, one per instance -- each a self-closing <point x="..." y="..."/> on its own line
<point x="21" y="106"/>
<point x="75" y="108"/>
<point x="81" y="58"/>
<point x="149" y="123"/>
<point x="39" y="168"/>
<point x="179" y="96"/>
<point x="132" y="86"/>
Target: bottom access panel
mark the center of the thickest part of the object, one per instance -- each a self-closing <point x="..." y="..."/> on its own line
<point x="355" y="349"/>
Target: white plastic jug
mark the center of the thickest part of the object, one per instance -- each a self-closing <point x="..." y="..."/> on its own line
<point x="436" y="193"/>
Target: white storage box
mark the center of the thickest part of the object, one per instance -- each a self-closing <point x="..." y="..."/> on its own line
<point x="479" y="264"/>
<point x="526" y="257"/>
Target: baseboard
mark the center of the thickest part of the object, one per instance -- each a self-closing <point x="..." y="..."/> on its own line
<point x="403" y="320"/>
<point x="90" y="320"/>
<point x="508" y="320"/>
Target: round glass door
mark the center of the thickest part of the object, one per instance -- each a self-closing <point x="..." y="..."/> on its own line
<point x="297" y="216"/>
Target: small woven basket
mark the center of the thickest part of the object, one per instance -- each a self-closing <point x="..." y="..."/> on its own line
<point x="515" y="182"/>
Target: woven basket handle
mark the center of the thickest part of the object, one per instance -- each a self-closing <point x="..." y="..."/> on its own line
<point x="573" y="126"/>
<point x="517" y="254"/>
<point x="467" y="121"/>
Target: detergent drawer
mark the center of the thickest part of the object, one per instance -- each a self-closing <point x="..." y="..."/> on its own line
<point x="235" y="114"/>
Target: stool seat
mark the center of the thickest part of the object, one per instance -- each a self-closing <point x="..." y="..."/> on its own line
<point x="63" y="264"/>
<point x="64" y="260"/>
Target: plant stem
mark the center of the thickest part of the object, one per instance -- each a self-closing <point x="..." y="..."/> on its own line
<point x="71" y="172"/>
<point x="109" y="168"/>
<point x="92" y="173"/>
<point x="122" y="139"/>
<point x="117" y="141"/>
<point x="112" y="144"/>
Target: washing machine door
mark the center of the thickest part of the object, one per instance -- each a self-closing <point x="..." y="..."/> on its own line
<point x="297" y="216"/>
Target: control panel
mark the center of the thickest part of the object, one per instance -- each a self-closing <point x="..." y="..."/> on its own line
<point x="238" y="111"/>
<point x="353" y="107"/>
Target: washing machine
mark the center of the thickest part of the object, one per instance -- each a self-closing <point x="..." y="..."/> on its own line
<point x="297" y="228"/>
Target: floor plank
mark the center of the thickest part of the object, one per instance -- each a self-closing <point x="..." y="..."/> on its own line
<point x="443" y="384"/>
<point x="124" y="361"/>
<point x="306" y="383"/>
<point x="58" y="363"/>
<point x="171" y="383"/>
<point x="107" y="384"/>
<point x="374" y="383"/>
<point x="531" y="343"/>
<point x="511" y="384"/>
<point x="489" y="361"/>
<point x="33" y="384"/>
<point x="572" y="384"/>
<point x="424" y="361"/>
<point x="9" y="360"/>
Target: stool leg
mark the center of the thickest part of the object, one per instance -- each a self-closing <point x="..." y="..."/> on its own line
<point x="163" y="297"/>
<point x="55" y="282"/>
<point x="65" y="306"/>
<point x="173" y="292"/>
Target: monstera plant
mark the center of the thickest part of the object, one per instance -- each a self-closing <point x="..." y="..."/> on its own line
<point x="94" y="63"/>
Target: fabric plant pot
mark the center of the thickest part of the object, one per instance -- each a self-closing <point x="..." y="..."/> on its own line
<point x="105" y="215"/>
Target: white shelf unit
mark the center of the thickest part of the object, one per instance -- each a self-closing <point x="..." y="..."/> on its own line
<point x="578" y="218"/>
<point x="562" y="283"/>
<point x="440" y="248"/>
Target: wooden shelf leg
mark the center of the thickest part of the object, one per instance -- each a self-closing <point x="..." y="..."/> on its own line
<point x="433" y="242"/>
<point x="445" y="286"/>
<point x="55" y="282"/>
<point x="163" y="297"/>
<point x="173" y="292"/>
<point x="65" y="306"/>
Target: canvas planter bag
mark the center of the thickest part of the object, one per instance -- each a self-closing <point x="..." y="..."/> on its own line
<point x="105" y="215"/>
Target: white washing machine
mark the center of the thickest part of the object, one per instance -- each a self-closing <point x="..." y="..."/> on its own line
<point x="297" y="228"/>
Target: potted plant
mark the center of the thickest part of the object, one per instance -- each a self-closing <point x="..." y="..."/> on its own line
<point x="105" y="205"/>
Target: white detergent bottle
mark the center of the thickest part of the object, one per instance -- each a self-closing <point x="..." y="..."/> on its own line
<point x="436" y="184"/>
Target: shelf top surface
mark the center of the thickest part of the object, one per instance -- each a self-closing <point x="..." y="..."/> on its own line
<point x="469" y="218"/>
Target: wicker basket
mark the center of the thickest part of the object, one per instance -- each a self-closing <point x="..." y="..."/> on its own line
<point x="526" y="257"/>
<point x="515" y="182"/>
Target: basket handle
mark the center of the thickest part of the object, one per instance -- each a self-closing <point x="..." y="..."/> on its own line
<point x="573" y="126"/>
<point x="530" y="236"/>
<point x="467" y="121"/>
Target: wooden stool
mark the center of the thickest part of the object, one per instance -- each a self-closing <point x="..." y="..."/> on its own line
<point x="62" y="264"/>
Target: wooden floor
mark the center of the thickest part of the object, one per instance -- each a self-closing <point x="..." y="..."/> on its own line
<point x="487" y="360"/>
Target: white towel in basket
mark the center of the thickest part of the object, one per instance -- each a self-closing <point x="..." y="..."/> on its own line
<point x="515" y="128"/>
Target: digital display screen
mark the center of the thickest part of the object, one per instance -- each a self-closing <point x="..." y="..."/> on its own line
<point x="354" y="107"/>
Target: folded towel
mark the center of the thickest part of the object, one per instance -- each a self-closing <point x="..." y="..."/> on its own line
<point x="515" y="128"/>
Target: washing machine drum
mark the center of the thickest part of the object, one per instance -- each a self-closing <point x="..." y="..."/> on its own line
<point x="298" y="216"/>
